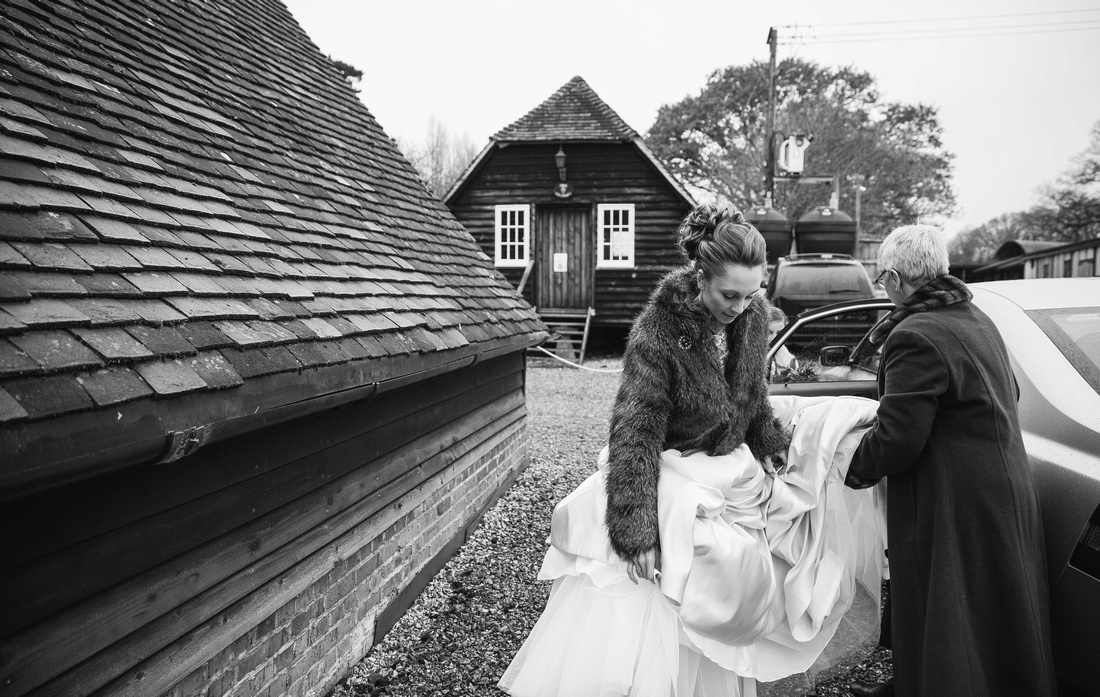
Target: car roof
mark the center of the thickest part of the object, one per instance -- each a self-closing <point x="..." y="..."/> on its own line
<point x="817" y="259"/>
<point x="1045" y="293"/>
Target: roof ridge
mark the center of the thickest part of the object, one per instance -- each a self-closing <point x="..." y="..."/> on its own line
<point x="574" y="112"/>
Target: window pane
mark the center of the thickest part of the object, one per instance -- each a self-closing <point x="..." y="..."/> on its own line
<point x="825" y="350"/>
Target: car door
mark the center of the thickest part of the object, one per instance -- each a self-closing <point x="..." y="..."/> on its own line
<point x="825" y="352"/>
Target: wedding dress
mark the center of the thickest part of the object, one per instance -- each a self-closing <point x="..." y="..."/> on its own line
<point x="762" y="576"/>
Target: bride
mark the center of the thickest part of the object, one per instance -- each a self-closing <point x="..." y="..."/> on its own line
<point x="716" y="545"/>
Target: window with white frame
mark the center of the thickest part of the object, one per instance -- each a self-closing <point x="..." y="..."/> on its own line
<point x="513" y="235"/>
<point x="615" y="235"/>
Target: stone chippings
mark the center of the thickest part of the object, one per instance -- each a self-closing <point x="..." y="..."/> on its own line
<point x="461" y="633"/>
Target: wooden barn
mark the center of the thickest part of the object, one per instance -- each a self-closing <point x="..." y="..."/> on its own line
<point x="256" y="384"/>
<point x="575" y="210"/>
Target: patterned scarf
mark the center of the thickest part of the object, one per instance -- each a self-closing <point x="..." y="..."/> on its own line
<point x="939" y="292"/>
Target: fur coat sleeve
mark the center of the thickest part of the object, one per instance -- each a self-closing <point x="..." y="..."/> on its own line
<point x="639" y="421"/>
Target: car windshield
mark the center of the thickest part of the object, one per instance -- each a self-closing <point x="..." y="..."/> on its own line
<point x="821" y="279"/>
<point x="1076" y="333"/>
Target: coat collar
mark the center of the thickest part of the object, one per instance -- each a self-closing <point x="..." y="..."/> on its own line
<point x="678" y="295"/>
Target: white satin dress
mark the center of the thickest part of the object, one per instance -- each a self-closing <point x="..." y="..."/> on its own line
<point x="761" y="577"/>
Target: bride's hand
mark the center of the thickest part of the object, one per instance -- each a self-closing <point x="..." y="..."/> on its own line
<point x="644" y="565"/>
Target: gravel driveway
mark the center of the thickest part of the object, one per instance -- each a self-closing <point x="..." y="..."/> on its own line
<point x="461" y="633"/>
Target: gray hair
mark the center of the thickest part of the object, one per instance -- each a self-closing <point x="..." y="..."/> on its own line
<point x="917" y="252"/>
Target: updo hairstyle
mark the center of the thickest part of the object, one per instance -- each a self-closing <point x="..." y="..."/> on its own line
<point x="711" y="237"/>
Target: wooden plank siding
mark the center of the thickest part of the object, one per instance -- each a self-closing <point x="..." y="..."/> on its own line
<point x="600" y="173"/>
<point x="166" y="566"/>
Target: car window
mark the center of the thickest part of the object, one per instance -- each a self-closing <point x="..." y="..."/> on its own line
<point x="825" y="349"/>
<point x="1076" y="333"/>
<point x="818" y="279"/>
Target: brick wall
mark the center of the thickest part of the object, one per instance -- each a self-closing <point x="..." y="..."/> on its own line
<point x="309" y="643"/>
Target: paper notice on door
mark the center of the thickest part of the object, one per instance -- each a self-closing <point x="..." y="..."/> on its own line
<point x="561" y="262"/>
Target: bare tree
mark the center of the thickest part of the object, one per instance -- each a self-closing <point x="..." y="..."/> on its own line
<point x="440" y="157"/>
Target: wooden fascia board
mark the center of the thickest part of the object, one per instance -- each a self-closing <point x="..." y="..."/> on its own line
<point x="663" y="171"/>
<point x="468" y="173"/>
<point x="49" y="452"/>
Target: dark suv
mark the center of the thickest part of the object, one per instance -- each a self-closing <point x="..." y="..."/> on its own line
<point x="806" y="281"/>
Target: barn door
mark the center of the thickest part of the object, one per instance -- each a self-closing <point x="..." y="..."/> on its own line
<point x="565" y="261"/>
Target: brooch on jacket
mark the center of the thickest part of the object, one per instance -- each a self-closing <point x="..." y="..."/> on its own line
<point x="685" y="343"/>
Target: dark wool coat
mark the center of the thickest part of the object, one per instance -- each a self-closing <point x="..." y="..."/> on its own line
<point x="676" y="393"/>
<point x="967" y="564"/>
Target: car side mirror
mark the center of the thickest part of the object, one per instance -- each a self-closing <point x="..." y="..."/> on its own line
<point x="834" y="355"/>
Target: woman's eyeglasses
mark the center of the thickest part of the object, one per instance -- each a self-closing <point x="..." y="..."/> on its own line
<point x="880" y="281"/>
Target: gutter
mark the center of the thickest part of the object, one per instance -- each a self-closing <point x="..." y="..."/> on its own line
<point x="47" y="453"/>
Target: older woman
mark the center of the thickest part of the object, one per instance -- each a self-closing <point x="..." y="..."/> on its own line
<point x="967" y="567"/>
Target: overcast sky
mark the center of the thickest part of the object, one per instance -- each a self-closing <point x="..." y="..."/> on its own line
<point x="1015" y="107"/>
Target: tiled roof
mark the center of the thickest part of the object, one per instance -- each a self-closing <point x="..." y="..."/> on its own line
<point x="200" y="222"/>
<point x="573" y="113"/>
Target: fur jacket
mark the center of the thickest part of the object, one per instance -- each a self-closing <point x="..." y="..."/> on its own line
<point x="680" y="388"/>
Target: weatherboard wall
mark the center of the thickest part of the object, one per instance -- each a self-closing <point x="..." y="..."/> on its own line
<point x="523" y="173"/>
<point x="265" y="564"/>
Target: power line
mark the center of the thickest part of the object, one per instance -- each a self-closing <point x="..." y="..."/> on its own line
<point x="899" y="32"/>
<point x="939" y="19"/>
<point x="988" y="31"/>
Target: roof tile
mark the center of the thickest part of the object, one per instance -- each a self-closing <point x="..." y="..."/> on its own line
<point x="212" y="308"/>
<point x="113" y="230"/>
<point x="194" y="260"/>
<point x="203" y="335"/>
<point x="113" y="343"/>
<point x="11" y="289"/>
<point x="170" y="377"/>
<point x="56" y="350"/>
<point x="11" y="258"/>
<point x="52" y="256"/>
<point x="114" y="385"/>
<point x="8" y="323"/>
<point x="106" y="284"/>
<point x="199" y="284"/>
<point x="40" y="283"/>
<point x="13" y="361"/>
<point x="371" y="345"/>
<point x="106" y="257"/>
<point x="322" y="328"/>
<point x="42" y="225"/>
<point x="264" y="360"/>
<point x="49" y="395"/>
<point x="315" y="353"/>
<point x="255" y="334"/>
<point x="154" y="283"/>
<point x="267" y="309"/>
<point x="105" y="311"/>
<point x="155" y="258"/>
<point x="10" y="408"/>
<point x="162" y="341"/>
<point x="47" y="313"/>
<point x="215" y="370"/>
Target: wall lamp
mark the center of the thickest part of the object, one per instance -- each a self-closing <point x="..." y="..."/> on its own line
<point x="560" y="160"/>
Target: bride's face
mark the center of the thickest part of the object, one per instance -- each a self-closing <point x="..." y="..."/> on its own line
<point x="727" y="294"/>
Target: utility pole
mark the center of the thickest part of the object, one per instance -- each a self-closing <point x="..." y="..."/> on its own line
<point x="769" y="171"/>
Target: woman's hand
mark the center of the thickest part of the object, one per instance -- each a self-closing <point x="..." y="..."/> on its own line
<point x="644" y="565"/>
<point x="775" y="464"/>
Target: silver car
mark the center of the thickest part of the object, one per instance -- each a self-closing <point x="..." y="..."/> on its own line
<point x="1052" y="330"/>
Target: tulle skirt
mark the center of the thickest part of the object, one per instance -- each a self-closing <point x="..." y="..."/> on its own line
<point x="763" y="577"/>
